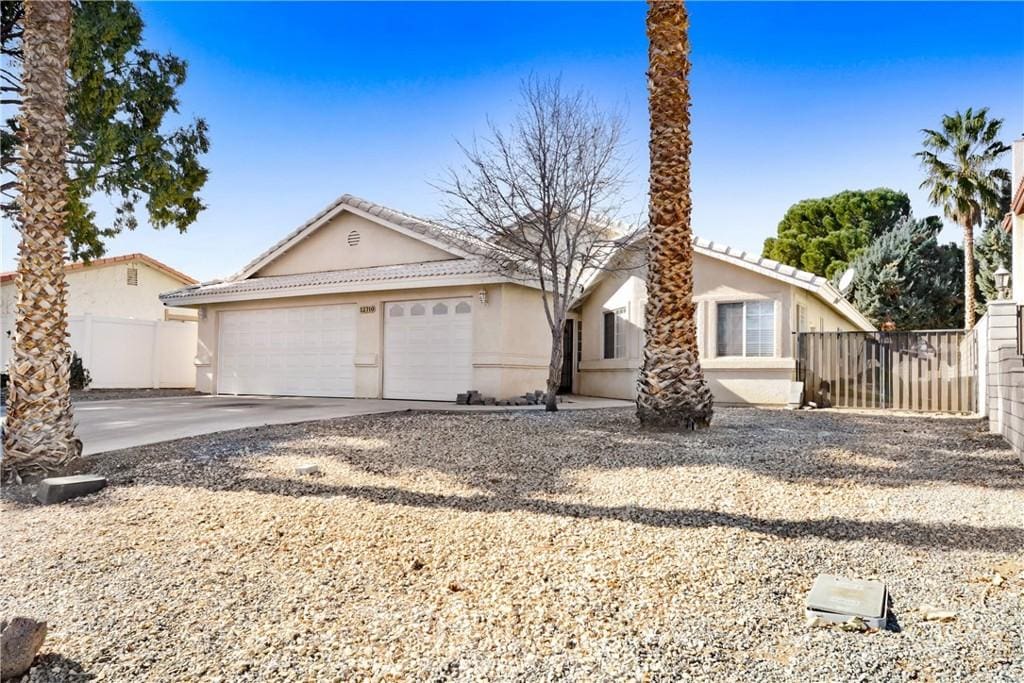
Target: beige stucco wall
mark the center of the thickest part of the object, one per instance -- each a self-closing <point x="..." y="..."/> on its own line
<point x="759" y="381"/>
<point x="510" y="338"/>
<point x="104" y="291"/>
<point x="328" y="248"/>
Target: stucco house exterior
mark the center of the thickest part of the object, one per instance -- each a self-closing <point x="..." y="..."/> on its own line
<point x="126" y="286"/>
<point x="366" y="301"/>
<point x="999" y="334"/>
<point x="125" y="335"/>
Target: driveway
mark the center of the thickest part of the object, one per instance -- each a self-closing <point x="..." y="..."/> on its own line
<point x="112" y="425"/>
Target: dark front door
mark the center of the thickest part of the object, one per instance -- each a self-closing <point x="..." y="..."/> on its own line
<point x="568" y="358"/>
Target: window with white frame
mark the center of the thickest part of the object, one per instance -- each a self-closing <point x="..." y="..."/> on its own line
<point x="746" y="329"/>
<point x="615" y="333"/>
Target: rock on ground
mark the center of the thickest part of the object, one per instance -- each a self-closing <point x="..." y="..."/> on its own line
<point x="20" y="640"/>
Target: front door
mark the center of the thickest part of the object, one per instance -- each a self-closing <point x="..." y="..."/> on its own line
<point x="568" y="358"/>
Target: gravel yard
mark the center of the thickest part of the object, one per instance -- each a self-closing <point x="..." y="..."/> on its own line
<point x="121" y="394"/>
<point x="530" y="547"/>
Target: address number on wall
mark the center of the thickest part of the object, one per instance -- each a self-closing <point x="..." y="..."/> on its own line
<point x="367" y="309"/>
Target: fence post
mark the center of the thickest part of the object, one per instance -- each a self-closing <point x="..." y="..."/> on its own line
<point x="1002" y="349"/>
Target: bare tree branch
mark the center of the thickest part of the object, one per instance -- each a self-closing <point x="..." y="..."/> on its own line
<point x="543" y="194"/>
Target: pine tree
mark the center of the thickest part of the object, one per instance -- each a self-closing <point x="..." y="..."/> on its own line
<point x="907" y="277"/>
<point x="993" y="249"/>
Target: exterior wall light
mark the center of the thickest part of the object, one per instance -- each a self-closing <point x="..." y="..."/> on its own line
<point x="1002" y="278"/>
<point x="482" y="295"/>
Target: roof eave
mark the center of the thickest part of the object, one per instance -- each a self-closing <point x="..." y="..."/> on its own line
<point x="201" y="298"/>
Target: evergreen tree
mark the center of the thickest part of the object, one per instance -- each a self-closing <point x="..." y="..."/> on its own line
<point x="824" y="235"/>
<point x="118" y="146"/>
<point x="993" y="249"/>
<point x="907" y="277"/>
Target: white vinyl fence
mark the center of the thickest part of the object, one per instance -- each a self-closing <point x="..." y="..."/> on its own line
<point x="125" y="353"/>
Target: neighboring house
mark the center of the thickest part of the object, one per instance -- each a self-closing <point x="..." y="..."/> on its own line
<point x="999" y="334"/>
<point x="117" y="323"/>
<point x="366" y="301"/>
<point x="122" y="286"/>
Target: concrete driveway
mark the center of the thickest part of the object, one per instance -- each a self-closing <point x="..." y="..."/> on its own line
<point x="112" y="425"/>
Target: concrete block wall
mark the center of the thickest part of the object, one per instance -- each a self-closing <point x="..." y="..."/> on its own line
<point x="1003" y="369"/>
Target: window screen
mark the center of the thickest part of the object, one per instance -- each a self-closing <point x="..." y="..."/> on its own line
<point x="760" y="321"/>
<point x="609" y="334"/>
<point x="746" y="329"/>
<point x="730" y="330"/>
<point x="615" y="333"/>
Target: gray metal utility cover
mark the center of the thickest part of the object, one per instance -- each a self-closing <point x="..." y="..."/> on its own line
<point x="837" y="599"/>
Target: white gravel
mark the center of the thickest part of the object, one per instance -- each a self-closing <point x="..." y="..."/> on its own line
<point x="530" y="547"/>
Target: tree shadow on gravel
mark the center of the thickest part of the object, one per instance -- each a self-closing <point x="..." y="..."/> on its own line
<point x="909" y="534"/>
<point x="518" y="455"/>
<point x="521" y="454"/>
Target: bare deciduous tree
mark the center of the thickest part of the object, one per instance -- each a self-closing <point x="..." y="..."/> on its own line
<point x="544" y="196"/>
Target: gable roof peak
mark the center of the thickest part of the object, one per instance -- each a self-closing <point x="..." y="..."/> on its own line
<point x="459" y="245"/>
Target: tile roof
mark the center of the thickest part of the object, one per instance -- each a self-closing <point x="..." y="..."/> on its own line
<point x="112" y="260"/>
<point x="326" y="279"/>
<point x="764" y="264"/>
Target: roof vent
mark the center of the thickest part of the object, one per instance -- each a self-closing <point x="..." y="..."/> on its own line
<point x="133" y="276"/>
<point x="353" y="238"/>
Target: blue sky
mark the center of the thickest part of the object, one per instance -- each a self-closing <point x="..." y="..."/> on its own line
<point x="306" y="101"/>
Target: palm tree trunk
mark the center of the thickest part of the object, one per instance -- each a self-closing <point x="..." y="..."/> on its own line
<point x="968" y="274"/>
<point x="671" y="391"/>
<point x="39" y="434"/>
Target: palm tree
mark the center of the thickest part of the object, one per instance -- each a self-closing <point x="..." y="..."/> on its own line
<point x="39" y="433"/>
<point x="672" y="391"/>
<point x="962" y="179"/>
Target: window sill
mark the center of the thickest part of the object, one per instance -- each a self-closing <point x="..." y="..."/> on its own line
<point x="610" y="364"/>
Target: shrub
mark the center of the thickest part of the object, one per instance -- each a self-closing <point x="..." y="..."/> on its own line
<point x="80" y="377"/>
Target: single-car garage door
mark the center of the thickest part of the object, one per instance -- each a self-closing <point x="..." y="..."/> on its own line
<point x="298" y="351"/>
<point x="428" y="349"/>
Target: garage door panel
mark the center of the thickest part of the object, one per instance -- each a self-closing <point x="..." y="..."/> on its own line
<point x="296" y="351"/>
<point x="428" y="349"/>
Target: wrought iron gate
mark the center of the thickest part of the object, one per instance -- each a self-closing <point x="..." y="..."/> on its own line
<point x="928" y="370"/>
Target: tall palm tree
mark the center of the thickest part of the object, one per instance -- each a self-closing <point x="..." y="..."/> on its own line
<point x="39" y="433"/>
<point x="960" y="161"/>
<point x="672" y="391"/>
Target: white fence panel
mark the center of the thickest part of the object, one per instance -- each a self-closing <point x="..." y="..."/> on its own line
<point x="125" y="353"/>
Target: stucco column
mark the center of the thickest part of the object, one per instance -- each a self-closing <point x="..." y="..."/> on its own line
<point x="1002" y="353"/>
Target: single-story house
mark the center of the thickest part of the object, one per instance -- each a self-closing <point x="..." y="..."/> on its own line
<point x="117" y="323"/>
<point x="367" y="301"/>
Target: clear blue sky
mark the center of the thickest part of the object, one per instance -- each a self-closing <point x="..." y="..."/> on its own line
<point x="309" y="101"/>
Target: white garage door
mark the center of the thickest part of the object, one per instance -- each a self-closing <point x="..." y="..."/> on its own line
<point x="428" y="349"/>
<point x="300" y="351"/>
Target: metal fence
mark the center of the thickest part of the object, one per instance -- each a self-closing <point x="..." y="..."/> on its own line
<point x="928" y="370"/>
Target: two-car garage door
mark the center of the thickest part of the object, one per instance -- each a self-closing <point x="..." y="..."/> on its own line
<point x="310" y="350"/>
<point x="298" y="351"/>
